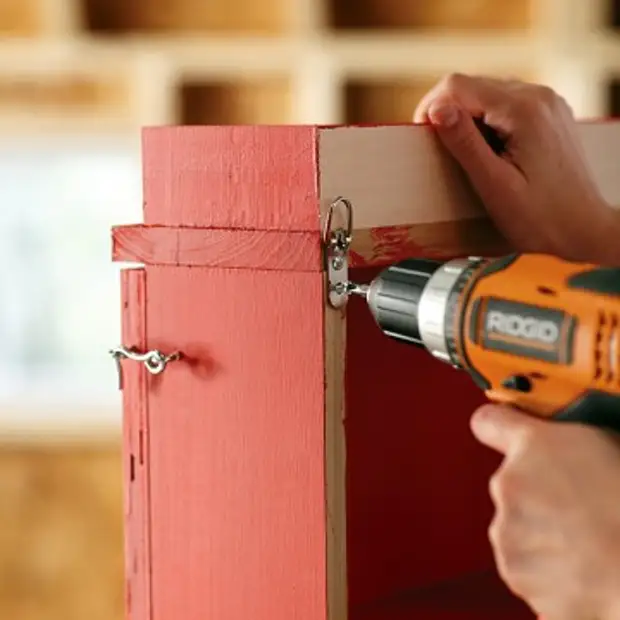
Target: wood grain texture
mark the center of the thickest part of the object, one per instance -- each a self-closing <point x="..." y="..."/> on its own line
<point x="400" y="175"/>
<point x="202" y="247"/>
<point x="251" y="177"/>
<point x="136" y="450"/>
<point x="238" y="446"/>
<point x="61" y="540"/>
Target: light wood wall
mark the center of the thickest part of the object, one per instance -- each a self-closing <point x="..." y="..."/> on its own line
<point x="61" y="550"/>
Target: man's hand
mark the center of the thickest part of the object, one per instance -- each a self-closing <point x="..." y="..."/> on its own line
<point x="540" y="192"/>
<point x="556" y="531"/>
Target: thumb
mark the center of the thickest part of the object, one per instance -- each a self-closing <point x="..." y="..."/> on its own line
<point x="501" y="427"/>
<point x="460" y="135"/>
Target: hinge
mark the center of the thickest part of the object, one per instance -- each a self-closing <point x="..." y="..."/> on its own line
<point x="336" y="243"/>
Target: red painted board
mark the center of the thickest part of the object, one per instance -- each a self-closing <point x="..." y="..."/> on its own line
<point x="248" y="177"/>
<point x="417" y="501"/>
<point x="202" y="247"/>
<point x="237" y="445"/>
<point x="135" y="457"/>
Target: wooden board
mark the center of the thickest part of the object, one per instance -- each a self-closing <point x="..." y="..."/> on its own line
<point x="237" y="437"/>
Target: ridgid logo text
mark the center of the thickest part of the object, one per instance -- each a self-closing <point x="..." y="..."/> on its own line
<point x="522" y="327"/>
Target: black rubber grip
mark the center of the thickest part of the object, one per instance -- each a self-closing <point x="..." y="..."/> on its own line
<point x="594" y="408"/>
<point x="604" y="280"/>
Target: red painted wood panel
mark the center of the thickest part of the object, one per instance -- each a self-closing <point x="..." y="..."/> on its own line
<point x="237" y="445"/>
<point x="418" y="505"/>
<point x="135" y="454"/>
<point x="250" y="177"/>
<point x="202" y="247"/>
<point x="477" y="597"/>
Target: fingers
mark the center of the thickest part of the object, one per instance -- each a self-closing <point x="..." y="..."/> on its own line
<point x="502" y="428"/>
<point x="450" y="107"/>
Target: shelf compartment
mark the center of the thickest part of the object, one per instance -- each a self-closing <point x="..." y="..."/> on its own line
<point x="236" y="101"/>
<point x="64" y="97"/>
<point x="383" y="101"/>
<point x="20" y="18"/>
<point x="612" y="14"/>
<point x="187" y="16"/>
<point x="613" y="98"/>
<point x="440" y="15"/>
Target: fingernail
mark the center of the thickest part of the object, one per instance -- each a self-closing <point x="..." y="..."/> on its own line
<point x="445" y="115"/>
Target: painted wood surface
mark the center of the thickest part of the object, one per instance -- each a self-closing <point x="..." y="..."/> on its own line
<point x="136" y="464"/>
<point x="418" y="508"/>
<point x="299" y="251"/>
<point x="237" y="446"/>
<point x="248" y="177"/>
<point x="208" y="247"/>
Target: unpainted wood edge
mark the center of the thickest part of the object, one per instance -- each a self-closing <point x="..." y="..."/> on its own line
<point x="335" y="463"/>
<point x="441" y="240"/>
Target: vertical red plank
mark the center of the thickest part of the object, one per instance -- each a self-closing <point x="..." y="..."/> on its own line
<point x="137" y="560"/>
<point x="237" y="435"/>
<point x="418" y="508"/>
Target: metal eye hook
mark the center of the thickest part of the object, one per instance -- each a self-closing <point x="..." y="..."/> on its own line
<point x="154" y="361"/>
<point x="340" y="237"/>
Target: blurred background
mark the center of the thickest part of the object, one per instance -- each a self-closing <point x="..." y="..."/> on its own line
<point x="78" y="79"/>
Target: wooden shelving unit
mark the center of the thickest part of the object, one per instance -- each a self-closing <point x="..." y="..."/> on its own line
<point x="115" y="65"/>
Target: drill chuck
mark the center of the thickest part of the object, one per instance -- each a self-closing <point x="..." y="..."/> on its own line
<point x="414" y="301"/>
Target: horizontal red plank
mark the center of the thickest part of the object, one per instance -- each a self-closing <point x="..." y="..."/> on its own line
<point x="209" y="247"/>
<point x="245" y="177"/>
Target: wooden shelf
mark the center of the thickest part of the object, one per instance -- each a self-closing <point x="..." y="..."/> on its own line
<point x="382" y="101"/>
<point x="186" y="16"/>
<point x="335" y="61"/>
<point x="473" y="15"/>
<point x="21" y="18"/>
<point x="264" y="101"/>
<point x="612" y="13"/>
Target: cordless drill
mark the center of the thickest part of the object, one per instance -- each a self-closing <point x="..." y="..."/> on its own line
<point x="533" y="331"/>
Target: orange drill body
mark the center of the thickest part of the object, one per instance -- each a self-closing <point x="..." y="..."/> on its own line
<point x="532" y="330"/>
<point x="547" y="326"/>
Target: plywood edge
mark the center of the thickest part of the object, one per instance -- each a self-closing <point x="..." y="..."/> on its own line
<point x="335" y="464"/>
<point x="217" y="247"/>
<point x="400" y="176"/>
